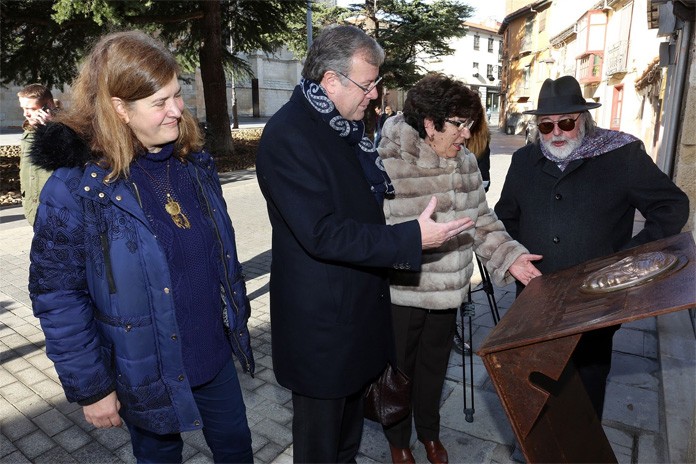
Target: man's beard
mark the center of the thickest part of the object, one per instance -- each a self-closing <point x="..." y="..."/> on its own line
<point x="570" y="146"/>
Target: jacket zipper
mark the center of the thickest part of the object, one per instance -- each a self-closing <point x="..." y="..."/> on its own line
<point x="224" y="264"/>
<point x="107" y="263"/>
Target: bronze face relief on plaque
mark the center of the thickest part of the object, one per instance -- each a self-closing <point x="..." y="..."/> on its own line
<point x="629" y="272"/>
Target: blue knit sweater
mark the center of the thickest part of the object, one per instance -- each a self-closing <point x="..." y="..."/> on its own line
<point x="192" y="255"/>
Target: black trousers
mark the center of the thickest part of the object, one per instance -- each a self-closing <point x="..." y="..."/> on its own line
<point x="423" y="344"/>
<point x="592" y="359"/>
<point x="326" y="430"/>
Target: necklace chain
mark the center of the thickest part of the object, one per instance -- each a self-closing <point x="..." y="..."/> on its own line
<point x="171" y="206"/>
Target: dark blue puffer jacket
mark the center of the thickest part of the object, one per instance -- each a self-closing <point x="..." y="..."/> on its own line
<point x="99" y="282"/>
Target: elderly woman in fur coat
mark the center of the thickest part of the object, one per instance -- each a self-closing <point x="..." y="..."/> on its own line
<point x="424" y="152"/>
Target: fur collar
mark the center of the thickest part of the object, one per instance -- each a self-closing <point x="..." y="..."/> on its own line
<point x="56" y="146"/>
<point x="400" y="140"/>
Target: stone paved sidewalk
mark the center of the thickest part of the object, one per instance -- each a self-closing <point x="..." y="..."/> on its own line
<point x="38" y="425"/>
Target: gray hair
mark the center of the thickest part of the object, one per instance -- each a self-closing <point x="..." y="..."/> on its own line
<point x="587" y="120"/>
<point x="334" y="49"/>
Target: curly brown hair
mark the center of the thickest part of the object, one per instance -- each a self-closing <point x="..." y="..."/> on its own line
<point x="439" y="97"/>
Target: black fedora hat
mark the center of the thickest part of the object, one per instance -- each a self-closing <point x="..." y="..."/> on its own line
<point x="561" y="96"/>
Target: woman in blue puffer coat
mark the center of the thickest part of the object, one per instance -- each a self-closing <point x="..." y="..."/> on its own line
<point x="134" y="271"/>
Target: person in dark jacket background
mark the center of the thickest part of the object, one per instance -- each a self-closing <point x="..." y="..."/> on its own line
<point x="134" y="271"/>
<point x="572" y="197"/>
<point x="324" y="187"/>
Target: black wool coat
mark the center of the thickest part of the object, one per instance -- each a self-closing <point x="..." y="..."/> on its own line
<point x="329" y="291"/>
<point x="587" y="210"/>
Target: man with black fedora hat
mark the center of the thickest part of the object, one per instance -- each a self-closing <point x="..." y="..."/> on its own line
<point x="572" y="195"/>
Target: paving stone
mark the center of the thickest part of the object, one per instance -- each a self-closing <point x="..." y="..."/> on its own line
<point x="125" y="454"/>
<point x="274" y="432"/>
<point x="286" y="458"/>
<point x="6" y="446"/>
<point x="16" y="458"/>
<point x="15" y="425"/>
<point x="634" y="371"/>
<point x="268" y="453"/>
<point x="34" y="444"/>
<point x="199" y="458"/>
<point x="47" y="388"/>
<point x="33" y="406"/>
<point x="78" y="417"/>
<point x="490" y="421"/>
<point x="258" y="441"/>
<point x="274" y="393"/>
<point x="72" y="438"/>
<point x="61" y="404"/>
<point x="651" y="448"/>
<point x="196" y="439"/>
<point x="6" y="378"/>
<point x="632" y="406"/>
<point x="40" y="361"/>
<point x="14" y="362"/>
<point x="55" y="455"/>
<point x="94" y="452"/>
<point x="30" y="376"/>
<point x="53" y="422"/>
<point x="275" y="412"/>
<point x="15" y="391"/>
<point x="111" y="438"/>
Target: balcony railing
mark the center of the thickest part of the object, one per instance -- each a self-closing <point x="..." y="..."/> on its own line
<point x="616" y="58"/>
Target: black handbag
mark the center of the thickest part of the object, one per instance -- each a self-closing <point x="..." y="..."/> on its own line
<point x="388" y="399"/>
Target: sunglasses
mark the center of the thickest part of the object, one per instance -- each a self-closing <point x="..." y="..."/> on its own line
<point x="365" y="90"/>
<point x="566" y="125"/>
<point x="466" y="124"/>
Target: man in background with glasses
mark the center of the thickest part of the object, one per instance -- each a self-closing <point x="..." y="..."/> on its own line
<point x="572" y="195"/>
<point x="324" y="186"/>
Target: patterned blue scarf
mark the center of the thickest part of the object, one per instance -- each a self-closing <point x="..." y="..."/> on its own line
<point x="352" y="132"/>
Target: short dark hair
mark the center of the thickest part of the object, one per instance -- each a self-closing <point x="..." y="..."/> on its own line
<point x="334" y="49"/>
<point x="439" y="97"/>
<point x="39" y="92"/>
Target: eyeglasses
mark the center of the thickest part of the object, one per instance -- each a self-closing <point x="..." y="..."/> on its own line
<point x="566" y="124"/>
<point x="365" y="90"/>
<point x="466" y="124"/>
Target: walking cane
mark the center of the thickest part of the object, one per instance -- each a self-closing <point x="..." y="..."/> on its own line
<point x="468" y="310"/>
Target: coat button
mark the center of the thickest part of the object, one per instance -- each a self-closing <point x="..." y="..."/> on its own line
<point x="94" y="175"/>
<point x="128" y="327"/>
<point x="181" y="378"/>
<point x="166" y="290"/>
<point x="556" y="240"/>
<point x="118" y="197"/>
<point x="558" y="196"/>
<point x="174" y="337"/>
<point x="86" y="188"/>
<point x="101" y="195"/>
<point x="196" y="423"/>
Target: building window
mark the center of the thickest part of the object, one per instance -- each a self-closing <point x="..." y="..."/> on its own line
<point x="475" y="67"/>
<point x="477" y="39"/>
<point x="526" y="44"/>
<point x="500" y="72"/>
<point x="489" y="72"/>
<point x="616" y="107"/>
<point x="490" y="45"/>
<point x="500" y="50"/>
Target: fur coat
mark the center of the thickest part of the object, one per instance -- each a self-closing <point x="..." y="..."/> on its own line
<point x="418" y="173"/>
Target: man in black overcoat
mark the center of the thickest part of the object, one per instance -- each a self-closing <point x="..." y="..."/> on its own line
<point x="572" y="195"/>
<point x="324" y="186"/>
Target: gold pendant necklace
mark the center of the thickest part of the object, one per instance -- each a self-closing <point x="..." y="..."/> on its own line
<point x="172" y="207"/>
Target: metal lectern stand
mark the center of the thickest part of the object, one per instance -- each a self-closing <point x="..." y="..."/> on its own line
<point x="527" y="354"/>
